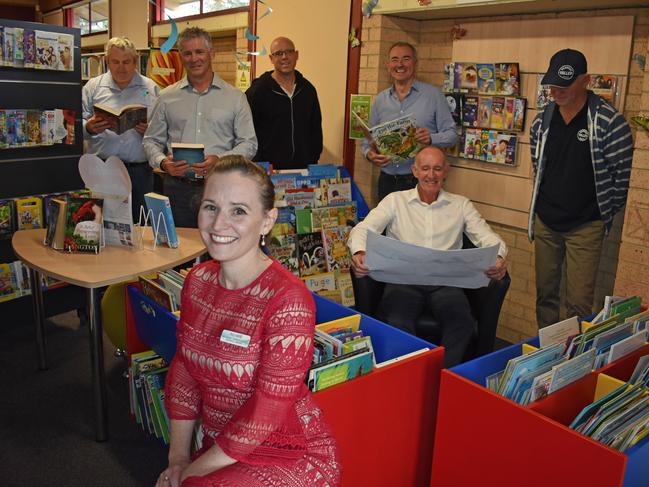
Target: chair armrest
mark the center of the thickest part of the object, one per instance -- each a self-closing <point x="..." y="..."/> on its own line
<point x="486" y="303"/>
<point x="367" y="294"/>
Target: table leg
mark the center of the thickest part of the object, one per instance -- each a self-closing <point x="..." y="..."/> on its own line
<point x="97" y="364"/>
<point x="39" y="317"/>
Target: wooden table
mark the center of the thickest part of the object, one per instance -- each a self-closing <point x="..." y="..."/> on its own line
<point x="94" y="271"/>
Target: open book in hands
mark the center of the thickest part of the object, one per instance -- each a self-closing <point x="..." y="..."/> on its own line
<point x="395" y="138"/>
<point x="123" y="119"/>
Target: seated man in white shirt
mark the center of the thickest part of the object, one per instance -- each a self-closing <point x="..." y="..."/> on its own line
<point x="429" y="217"/>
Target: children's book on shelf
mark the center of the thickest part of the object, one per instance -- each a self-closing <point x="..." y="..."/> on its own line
<point x="498" y="113"/>
<point x="471" y="137"/>
<point x="19" y="47"/>
<point x="83" y="225"/>
<point x="29" y="213"/>
<point x="448" y="84"/>
<point x="162" y="219"/>
<point x="361" y="106"/>
<point x="336" y="250"/>
<point x="337" y="191"/>
<point x="486" y="78"/>
<point x="395" y="138"/>
<point x="7" y="226"/>
<point x="470" y="111"/>
<point x="505" y="149"/>
<point x="29" y="46"/>
<point x="321" y="282"/>
<point x="158" y="293"/>
<point x="520" y="105"/>
<point x="311" y="254"/>
<point x="55" y="235"/>
<point x="454" y="101"/>
<point x="191" y="153"/>
<point x="543" y="95"/>
<point x="467" y="74"/>
<point x="300" y="198"/>
<point x="484" y="111"/>
<point x="508" y="79"/>
<point x="8" y="46"/>
<point x="340" y="369"/>
<point x="123" y="119"/>
<point x="333" y="216"/>
<point x="284" y="249"/>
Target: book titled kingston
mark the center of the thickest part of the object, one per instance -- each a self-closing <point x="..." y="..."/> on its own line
<point x="190" y="153"/>
<point x="123" y="119"/>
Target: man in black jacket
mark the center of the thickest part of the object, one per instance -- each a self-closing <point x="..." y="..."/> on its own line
<point x="286" y="112"/>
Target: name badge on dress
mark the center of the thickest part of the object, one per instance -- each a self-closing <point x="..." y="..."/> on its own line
<point x="234" y="338"/>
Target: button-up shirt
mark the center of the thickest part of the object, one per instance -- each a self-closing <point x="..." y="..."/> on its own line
<point x="219" y="118"/>
<point x="430" y="109"/>
<point x="438" y="225"/>
<point x="103" y="90"/>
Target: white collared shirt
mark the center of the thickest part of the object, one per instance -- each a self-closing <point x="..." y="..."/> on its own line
<point x="438" y="225"/>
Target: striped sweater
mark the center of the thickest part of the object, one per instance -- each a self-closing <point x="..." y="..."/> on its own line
<point x="611" y="149"/>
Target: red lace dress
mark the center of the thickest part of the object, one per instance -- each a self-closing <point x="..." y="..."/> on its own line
<point x="252" y="399"/>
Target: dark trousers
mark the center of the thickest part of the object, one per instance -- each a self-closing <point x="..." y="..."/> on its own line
<point x="141" y="183"/>
<point x="185" y="197"/>
<point x="402" y="305"/>
<point x="389" y="183"/>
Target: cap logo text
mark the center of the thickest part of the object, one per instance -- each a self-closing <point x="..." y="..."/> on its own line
<point x="566" y="71"/>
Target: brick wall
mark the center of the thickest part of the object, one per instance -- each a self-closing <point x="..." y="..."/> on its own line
<point x="434" y="44"/>
<point x="224" y="62"/>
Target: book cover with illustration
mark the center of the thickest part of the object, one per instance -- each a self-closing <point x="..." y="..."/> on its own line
<point x="492" y="146"/>
<point x="336" y="250"/>
<point x="123" y="119"/>
<point x="8" y="46"/>
<point x="509" y="113"/>
<point x="334" y="216"/>
<point x="604" y="85"/>
<point x="510" y="157"/>
<point x="311" y="254"/>
<point x="19" y="47"/>
<point x="321" y="282"/>
<point x="3" y="129"/>
<point x="395" y="138"/>
<point x="83" y="225"/>
<point x="47" y="50"/>
<point x="470" y="111"/>
<point x="497" y="113"/>
<point x="449" y="78"/>
<point x="340" y="369"/>
<point x="29" y="46"/>
<point x="469" y="77"/>
<point x="6" y="219"/>
<point x="8" y="288"/>
<point x="191" y="153"/>
<point x="520" y="106"/>
<point x="486" y="78"/>
<point x="543" y="95"/>
<point x="471" y="140"/>
<point x="29" y="213"/>
<point x="33" y="128"/>
<point x="163" y="221"/>
<point x="360" y="105"/>
<point x="337" y="191"/>
<point x="454" y="101"/>
<point x="508" y="79"/>
<point x="69" y="122"/>
<point x="484" y="111"/>
<point x="284" y="249"/>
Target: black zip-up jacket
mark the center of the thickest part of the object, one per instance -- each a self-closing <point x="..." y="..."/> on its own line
<point x="289" y="130"/>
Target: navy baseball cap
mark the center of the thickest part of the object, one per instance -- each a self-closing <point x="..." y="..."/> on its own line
<point x="564" y="68"/>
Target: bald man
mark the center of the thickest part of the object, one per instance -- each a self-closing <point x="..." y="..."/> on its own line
<point x="286" y="112"/>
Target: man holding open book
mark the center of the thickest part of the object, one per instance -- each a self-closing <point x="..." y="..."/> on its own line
<point x="107" y="95"/>
<point x="199" y="110"/>
<point x="408" y="96"/>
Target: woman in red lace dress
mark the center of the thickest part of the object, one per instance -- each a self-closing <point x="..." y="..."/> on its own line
<point x="245" y="342"/>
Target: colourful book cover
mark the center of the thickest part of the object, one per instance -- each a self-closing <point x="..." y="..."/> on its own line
<point x="340" y="370"/>
<point x="284" y="249"/>
<point x="510" y="157"/>
<point x="520" y="105"/>
<point x="484" y="111"/>
<point x="33" y="126"/>
<point x="3" y="129"/>
<point x="47" y="45"/>
<point x="321" y="282"/>
<point x="29" y="44"/>
<point x="300" y="198"/>
<point x="7" y="283"/>
<point x="8" y="43"/>
<point x="83" y="225"/>
<point x="396" y="138"/>
<point x="69" y="122"/>
<point x="336" y="250"/>
<point x="543" y="95"/>
<point x="486" y="79"/>
<point x="157" y="293"/>
<point x="469" y="77"/>
<point x="19" y="47"/>
<point x="361" y="106"/>
<point x="165" y="68"/>
<point x="287" y="218"/>
<point x="311" y="254"/>
<point x="497" y="113"/>
<point x="604" y="85"/>
<point x="449" y="74"/>
<point x="327" y="171"/>
<point x="502" y="142"/>
<point x="344" y="284"/>
<point x="508" y="79"/>
<point x="29" y="213"/>
<point x="492" y="146"/>
<point x="454" y="101"/>
<point x="6" y="219"/>
<point x="470" y="138"/>
<point x="20" y="128"/>
<point x="334" y="216"/>
<point x="284" y="181"/>
<point x="338" y="191"/>
<point x="162" y="219"/>
<point x="2" y="45"/>
<point x="470" y="111"/>
<point x="303" y="220"/>
<point x="509" y="113"/>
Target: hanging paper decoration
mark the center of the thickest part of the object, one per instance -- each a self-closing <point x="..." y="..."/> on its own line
<point x="353" y="39"/>
<point x="171" y="40"/>
<point x="251" y="37"/>
<point x="642" y="121"/>
<point x="368" y="7"/>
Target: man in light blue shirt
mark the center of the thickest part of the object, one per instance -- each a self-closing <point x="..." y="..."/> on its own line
<point x="121" y="86"/>
<point x="408" y="96"/>
<point x="199" y="109"/>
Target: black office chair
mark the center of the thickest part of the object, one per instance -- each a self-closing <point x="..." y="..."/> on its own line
<point x="485" y="302"/>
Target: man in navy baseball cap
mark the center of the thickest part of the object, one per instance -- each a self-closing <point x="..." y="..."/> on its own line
<point x="565" y="66"/>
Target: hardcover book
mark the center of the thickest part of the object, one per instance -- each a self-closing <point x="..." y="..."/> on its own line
<point x="191" y="153"/>
<point x="162" y="219"/>
<point x="333" y="216"/>
<point x="83" y="225"/>
<point x="123" y="119"/>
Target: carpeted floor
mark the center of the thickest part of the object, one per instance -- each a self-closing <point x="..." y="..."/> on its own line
<point x="46" y="417"/>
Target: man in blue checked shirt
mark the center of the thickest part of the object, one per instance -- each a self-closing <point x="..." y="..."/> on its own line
<point x="408" y="96"/>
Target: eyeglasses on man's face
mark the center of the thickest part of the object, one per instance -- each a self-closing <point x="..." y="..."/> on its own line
<point x="285" y="52"/>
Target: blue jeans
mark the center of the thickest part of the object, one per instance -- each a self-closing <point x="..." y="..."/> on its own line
<point x="185" y="197"/>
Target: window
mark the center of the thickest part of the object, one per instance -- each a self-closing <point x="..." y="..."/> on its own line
<point x="91" y="17"/>
<point x="187" y="8"/>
